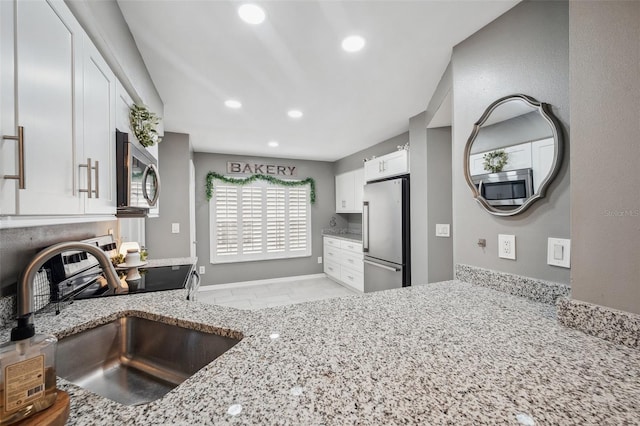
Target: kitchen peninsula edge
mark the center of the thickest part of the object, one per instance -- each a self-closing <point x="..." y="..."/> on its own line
<point x="443" y="352"/>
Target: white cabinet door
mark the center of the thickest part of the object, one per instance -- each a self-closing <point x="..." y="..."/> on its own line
<point x="47" y="47"/>
<point x="350" y="191"/>
<point x="123" y="103"/>
<point x="344" y="193"/>
<point x="8" y="147"/>
<point x="393" y="164"/>
<point x="519" y="157"/>
<point x="476" y="164"/>
<point x="98" y="122"/>
<point x="542" y="153"/>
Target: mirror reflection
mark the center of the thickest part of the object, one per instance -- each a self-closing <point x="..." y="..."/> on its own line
<point x="512" y="154"/>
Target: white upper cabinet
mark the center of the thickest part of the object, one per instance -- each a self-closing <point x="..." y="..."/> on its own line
<point x="389" y="165"/>
<point x="61" y="93"/>
<point x="98" y="122"/>
<point x="47" y="93"/>
<point x="349" y="191"/>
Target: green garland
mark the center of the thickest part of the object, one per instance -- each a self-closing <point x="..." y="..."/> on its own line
<point x="273" y="180"/>
<point x="143" y="123"/>
<point x="495" y="161"/>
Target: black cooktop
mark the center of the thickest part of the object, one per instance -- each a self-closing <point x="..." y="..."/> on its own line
<point x="152" y="279"/>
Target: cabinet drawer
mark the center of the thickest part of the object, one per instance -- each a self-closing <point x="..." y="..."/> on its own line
<point x="332" y="269"/>
<point x="332" y="254"/>
<point x="351" y="246"/>
<point x="352" y="278"/>
<point x="331" y="242"/>
<point x="352" y="261"/>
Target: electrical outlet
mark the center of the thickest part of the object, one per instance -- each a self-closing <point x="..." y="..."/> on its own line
<point x="507" y="246"/>
<point x="175" y="228"/>
<point x="201" y="270"/>
<point x="320" y="259"/>
<point x="443" y="230"/>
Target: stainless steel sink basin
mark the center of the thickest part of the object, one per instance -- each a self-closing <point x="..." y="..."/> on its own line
<point x="134" y="360"/>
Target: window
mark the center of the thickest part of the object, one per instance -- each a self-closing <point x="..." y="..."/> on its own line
<point x="259" y="221"/>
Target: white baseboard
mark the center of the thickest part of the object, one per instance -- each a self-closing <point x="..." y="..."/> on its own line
<point x="259" y="282"/>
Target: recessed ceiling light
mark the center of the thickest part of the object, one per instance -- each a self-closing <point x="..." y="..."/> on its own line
<point x="294" y="113"/>
<point x="273" y="144"/>
<point x="232" y="103"/>
<point x="251" y="13"/>
<point x="353" y="43"/>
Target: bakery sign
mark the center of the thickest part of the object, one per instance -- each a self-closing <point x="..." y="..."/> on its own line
<point x="239" y="167"/>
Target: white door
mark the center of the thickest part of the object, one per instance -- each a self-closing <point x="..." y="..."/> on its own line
<point x="98" y="134"/>
<point x="48" y="48"/>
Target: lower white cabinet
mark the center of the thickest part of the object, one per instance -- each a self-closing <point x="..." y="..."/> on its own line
<point x="343" y="262"/>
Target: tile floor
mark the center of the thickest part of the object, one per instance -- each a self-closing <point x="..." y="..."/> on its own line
<point x="275" y="294"/>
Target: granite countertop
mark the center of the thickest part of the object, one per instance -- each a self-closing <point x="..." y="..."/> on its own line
<point x="349" y="236"/>
<point x="445" y="353"/>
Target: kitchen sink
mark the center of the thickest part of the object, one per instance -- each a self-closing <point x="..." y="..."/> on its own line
<point x="134" y="360"/>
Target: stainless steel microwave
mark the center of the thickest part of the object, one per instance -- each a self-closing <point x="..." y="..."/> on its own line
<point x="137" y="179"/>
<point x="510" y="188"/>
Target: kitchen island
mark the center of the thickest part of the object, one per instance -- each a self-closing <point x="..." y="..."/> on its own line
<point x="450" y="352"/>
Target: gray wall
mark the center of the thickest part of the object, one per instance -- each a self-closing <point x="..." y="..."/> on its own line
<point x="105" y="25"/>
<point x="439" y="210"/>
<point x="418" y="198"/>
<point x="321" y="213"/>
<point x="605" y="122"/>
<point x="514" y="131"/>
<point x="526" y="50"/>
<point x="174" y="152"/>
<point x="19" y="245"/>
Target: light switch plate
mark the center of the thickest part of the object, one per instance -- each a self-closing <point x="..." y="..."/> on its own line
<point x="559" y="252"/>
<point x="201" y="270"/>
<point x="443" y="230"/>
<point x="507" y="246"/>
<point x="175" y="228"/>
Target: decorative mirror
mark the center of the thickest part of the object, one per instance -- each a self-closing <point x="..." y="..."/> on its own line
<point x="513" y="154"/>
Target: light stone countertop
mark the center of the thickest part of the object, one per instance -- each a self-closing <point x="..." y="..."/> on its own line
<point x="348" y="236"/>
<point x="445" y="353"/>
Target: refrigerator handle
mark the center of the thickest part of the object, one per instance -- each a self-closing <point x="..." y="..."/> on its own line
<point x="365" y="226"/>
<point x="388" y="268"/>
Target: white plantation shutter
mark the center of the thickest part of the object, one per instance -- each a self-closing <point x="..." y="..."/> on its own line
<point x="259" y="221"/>
<point x="226" y="231"/>
<point x="276" y="208"/>
<point x="251" y="219"/>
<point x="298" y="213"/>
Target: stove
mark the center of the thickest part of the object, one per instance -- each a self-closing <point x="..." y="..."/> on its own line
<point x="77" y="275"/>
<point x="152" y="279"/>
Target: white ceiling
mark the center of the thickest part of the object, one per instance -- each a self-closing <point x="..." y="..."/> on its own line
<point x="199" y="53"/>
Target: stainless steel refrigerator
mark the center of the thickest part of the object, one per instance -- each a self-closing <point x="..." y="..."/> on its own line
<point x="385" y="235"/>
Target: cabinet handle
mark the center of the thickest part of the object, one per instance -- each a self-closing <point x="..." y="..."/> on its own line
<point x="379" y="166"/>
<point x="350" y="260"/>
<point x="89" y="189"/>
<point x="350" y="277"/>
<point x="20" y="176"/>
<point x="97" y="169"/>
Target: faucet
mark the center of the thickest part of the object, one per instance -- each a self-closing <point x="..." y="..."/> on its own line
<point x="25" y="286"/>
